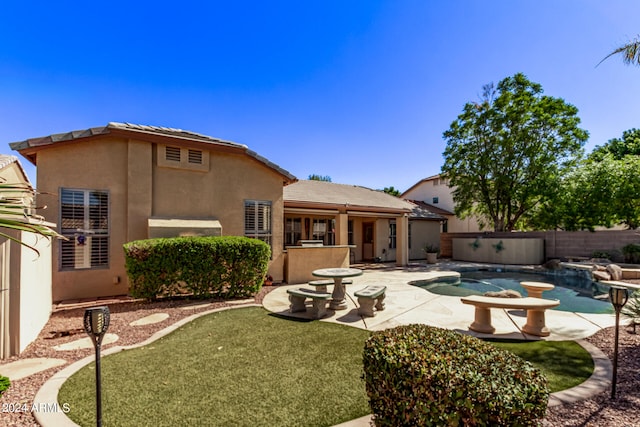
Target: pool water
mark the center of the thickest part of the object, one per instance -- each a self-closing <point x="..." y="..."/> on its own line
<point x="576" y="294"/>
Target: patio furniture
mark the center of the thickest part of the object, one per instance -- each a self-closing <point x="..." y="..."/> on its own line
<point x="368" y="297"/>
<point x="319" y="299"/>
<point x="535" y="289"/>
<point x="338" y="301"/>
<point x="535" y="308"/>
<point x="321" y="285"/>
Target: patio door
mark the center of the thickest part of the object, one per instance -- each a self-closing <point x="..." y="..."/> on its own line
<point x="367" y="240"/>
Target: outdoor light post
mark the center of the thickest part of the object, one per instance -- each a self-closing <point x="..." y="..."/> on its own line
<point x="618" y="297"/>
<point x="96" y="323"/>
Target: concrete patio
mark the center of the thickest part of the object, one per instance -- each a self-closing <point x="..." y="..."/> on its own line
<point x="407" y="304"/>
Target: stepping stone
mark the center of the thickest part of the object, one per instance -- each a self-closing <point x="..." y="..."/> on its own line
<point x="152" y="318"/>
<point x="241" y="301"/>
<point x="85" y="343"/>
<point x="195" y="306"/>
<point x="23" y="368"/>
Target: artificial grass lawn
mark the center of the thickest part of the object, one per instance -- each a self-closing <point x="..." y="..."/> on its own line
<point x="239" y="367"/>
<point x="245" y="367"/>
<point x="565" y="363"/>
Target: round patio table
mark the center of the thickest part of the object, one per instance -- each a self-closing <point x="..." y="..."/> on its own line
<point x="535" y="289"/>
<point x="338" y="301"/>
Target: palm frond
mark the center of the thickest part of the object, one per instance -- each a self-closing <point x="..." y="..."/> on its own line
<point x="630" y="53"/>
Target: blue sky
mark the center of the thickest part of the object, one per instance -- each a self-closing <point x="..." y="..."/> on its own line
<point x="359" y="90"/>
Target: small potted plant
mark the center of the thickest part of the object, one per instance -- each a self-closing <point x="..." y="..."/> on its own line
<point x="432" y="252"/>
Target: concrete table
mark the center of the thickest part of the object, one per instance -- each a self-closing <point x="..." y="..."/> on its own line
<point x="338" y="301"/>
<point x="535" y="289"/>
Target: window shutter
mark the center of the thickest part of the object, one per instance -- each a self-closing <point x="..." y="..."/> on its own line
<point x="172" y="154"/>
<point x="195" y="157"/>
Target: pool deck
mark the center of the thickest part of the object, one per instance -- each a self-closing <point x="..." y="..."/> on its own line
<point x="407" y="304"/>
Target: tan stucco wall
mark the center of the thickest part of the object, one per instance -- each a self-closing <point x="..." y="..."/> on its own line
<point x="140" y="189"/>
<point x="423" y="233"/>
<point x="35" y="287"/>
<point x="427" y="190"/>
<point x="301" y="261"/>
<point x="499" y="251"/>
<point x="25" y="291"/>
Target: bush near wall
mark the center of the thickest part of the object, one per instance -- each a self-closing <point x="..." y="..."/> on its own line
<point x="4" y="384"/>
<point x="417" y="375"/>
<point x="227" y="266"/>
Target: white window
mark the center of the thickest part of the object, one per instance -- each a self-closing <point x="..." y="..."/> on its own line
<point x="325" y="230"/>
<point x="257" y="220"/>
<point x="292" y="231"/>
<point x="392" y="234"/>
<point x="84" y="220"/>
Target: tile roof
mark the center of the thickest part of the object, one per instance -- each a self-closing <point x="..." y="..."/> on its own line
<point x="424" y="210"/>
<point x="40" y="142"/>
<point x="6" y="160"/>
<point x="310" y="192"/>
<point x="103" y="130"/>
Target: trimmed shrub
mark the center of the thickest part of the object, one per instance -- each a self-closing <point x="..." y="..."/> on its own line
<point x="631" y="253"/>
<point x="418" y="375"/>
<point x="227" y="266"/>
<point x="4" y="384"/>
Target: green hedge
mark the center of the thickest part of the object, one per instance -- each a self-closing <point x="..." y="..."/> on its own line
<point x="4" y="384"/>
<point x="631" y="253"/>
<point x="417" y="375"/>
<point x="227" y="266"/>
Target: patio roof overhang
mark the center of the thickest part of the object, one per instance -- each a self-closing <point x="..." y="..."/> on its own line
<point x="332" y="208"/>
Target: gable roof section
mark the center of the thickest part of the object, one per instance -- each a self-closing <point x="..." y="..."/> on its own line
<point x="422" y="210"/>
<point x="30" y="147"/>
<point x="327" y="195"/>
<point x="8" y="160"/>
<point x="429" y="178"/>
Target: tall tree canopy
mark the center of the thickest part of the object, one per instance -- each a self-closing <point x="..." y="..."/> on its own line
<point x="391" y="190"/>
<point x="506" y="154"/>
<point x="619" y="147"/>
<point x="316" y="177"/>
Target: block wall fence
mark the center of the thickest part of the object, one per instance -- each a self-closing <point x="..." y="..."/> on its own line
<point x="558" y="244"/>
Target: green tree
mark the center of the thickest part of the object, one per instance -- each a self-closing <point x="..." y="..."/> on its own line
<point x="316" y="177"/>
<point x="505" y="155"/>
<point x="598" y="193"/>
<point x="17" y="213"/>
<point x="392" y="191"/>
<point x="626" y="199"/>
<point x="618" y="147"/>
<point x="630" y="52"/>
<point x="583" y="200"/>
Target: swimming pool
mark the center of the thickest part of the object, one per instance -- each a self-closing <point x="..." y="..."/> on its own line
<point x="575" y="293"/>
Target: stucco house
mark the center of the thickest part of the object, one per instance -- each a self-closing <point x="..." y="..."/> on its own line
<point x="379" y="226"/>
<point x="109" y="185"/>
<point x="25" y="275"/>
<point x="435" y="192"/>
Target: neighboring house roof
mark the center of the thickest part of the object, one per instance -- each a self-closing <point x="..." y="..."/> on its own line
<point x="30" y="147"/>
<point x="7" y="160"/>
<point x="424" y="210"/>
<point x="322" y="194"/>
<point x="423" y="180"/>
